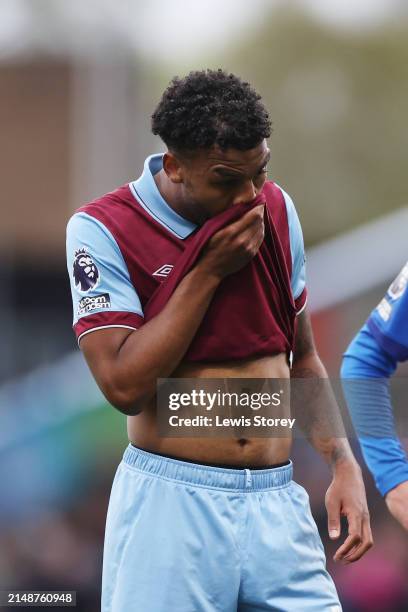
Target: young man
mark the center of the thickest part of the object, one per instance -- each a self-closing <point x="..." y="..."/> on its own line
<point x="206" y="524"/>
<point x="373" y="356"/>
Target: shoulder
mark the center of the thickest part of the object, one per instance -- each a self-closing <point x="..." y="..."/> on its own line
<point x="113" y="209"/>
<point x="289" y="211"/>
<point x="284" y="215"/>
<point x="87" y="231"/>
<point x="289" y="206"/>
<point x="281" y="204"/>
<point x="389" y="320"/>
<point x="393" y="308"/>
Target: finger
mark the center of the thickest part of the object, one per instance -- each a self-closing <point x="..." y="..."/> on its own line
<point x="258" y="242"/>
<point x="333" y="519"/>
<point x="252" y="217"/>
<point x="366" y="543"/>
<point x="351" y="542"/>
<point x="255" y="245"/>
<point x="359" y="551"/>
<point x="252" y="237"/>
<point x="355" y="523"/>
<point x="354" y="538"/>
<point x="257" y="233"/>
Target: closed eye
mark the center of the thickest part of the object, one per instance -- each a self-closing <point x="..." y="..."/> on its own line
<point x="235" y="180"/>
<point x="229" y="181"/>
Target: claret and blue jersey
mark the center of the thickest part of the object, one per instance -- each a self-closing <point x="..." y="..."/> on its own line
<point x="123" y="245"/>
<point x="374" y="354"/>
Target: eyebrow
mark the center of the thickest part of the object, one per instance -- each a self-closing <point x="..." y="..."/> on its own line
<point x="232" y="172"/>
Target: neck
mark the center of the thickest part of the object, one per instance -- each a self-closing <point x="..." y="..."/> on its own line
<point x="172" y="193"/>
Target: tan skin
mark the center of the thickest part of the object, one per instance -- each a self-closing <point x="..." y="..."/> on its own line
<point x="397" y="503"/>
<point x="126" y="364"/>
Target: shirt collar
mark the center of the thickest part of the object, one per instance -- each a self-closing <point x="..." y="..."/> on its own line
<point x="147" y="194"/>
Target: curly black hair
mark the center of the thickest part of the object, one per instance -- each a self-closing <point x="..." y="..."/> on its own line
<point x="210" y="107"/>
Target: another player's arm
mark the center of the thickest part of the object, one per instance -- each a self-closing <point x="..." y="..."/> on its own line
<point x="369" y="401"/>
<point x="126" y="364"/>
<point x="346" y="494"/>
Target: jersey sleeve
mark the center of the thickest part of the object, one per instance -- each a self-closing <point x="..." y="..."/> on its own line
<point x="365" y="373"/>
<point x="389" y="321"/>
<point x="102" y="292"/>
<point x="298" y="278"/>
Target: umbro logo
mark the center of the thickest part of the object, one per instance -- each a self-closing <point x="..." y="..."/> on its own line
<point x="164" y="270"/>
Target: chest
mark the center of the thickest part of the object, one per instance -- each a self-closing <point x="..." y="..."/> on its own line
<point x="150" y="253"/>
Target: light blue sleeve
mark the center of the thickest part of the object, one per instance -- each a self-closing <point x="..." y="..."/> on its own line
<point x="98" y="274"/>
<point x="298" y="279"/>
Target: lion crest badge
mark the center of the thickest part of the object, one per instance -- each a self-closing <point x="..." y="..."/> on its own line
<point x="86" y="274"/>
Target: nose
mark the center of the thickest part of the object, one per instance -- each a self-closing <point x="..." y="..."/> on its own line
<point x="246" y="194"/>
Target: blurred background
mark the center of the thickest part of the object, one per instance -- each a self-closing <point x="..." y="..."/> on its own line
<point x="78" y="83"/>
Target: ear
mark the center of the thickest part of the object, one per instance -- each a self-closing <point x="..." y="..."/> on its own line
<point x="172" y="167"/>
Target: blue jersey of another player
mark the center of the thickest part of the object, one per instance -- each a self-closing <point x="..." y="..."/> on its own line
<point x="389" y="321"/>
<point x="374" y="354"/>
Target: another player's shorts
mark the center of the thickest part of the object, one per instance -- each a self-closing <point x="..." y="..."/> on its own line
<point x="183" y="537"/>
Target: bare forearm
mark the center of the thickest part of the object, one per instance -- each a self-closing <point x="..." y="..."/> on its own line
<point x="156" y="349"/>
<point x="317" y="411"/>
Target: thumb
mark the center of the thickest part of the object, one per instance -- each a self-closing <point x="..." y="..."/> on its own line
<point x="333" y="520"/>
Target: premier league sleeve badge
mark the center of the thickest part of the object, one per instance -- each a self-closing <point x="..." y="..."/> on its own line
<point x="85" y="272"/>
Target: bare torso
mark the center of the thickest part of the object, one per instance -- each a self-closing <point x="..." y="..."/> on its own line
<point x="142" y="429"/>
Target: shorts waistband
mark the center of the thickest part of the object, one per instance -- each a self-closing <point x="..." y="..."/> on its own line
<point x="208" y="476"/>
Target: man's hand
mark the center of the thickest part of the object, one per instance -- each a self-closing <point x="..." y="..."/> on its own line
<point x="346" y="497"/>
<point x="397" y="503"/>
<point x="232" y="247"/>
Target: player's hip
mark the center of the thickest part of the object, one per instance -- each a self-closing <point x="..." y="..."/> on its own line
<point x="177" y="533"/>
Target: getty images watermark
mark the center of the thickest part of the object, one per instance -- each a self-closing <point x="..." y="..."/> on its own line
<point x="218" y="400"/>
<point x="224" y="407"/>
<point x="307" y="407"/>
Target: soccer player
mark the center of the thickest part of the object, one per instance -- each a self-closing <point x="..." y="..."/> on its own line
<point x="373" y="356"/>
<point x="197" y="525"/>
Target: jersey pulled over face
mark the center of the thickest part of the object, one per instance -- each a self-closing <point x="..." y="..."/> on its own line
<point x="214" y="180"/>
<point x="121" y="247"/>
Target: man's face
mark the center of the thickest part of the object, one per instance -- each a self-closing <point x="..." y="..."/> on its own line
<point x="214" y="180"/>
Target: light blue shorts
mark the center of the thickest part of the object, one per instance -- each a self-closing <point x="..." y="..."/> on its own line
<point x="183" y="537"/>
